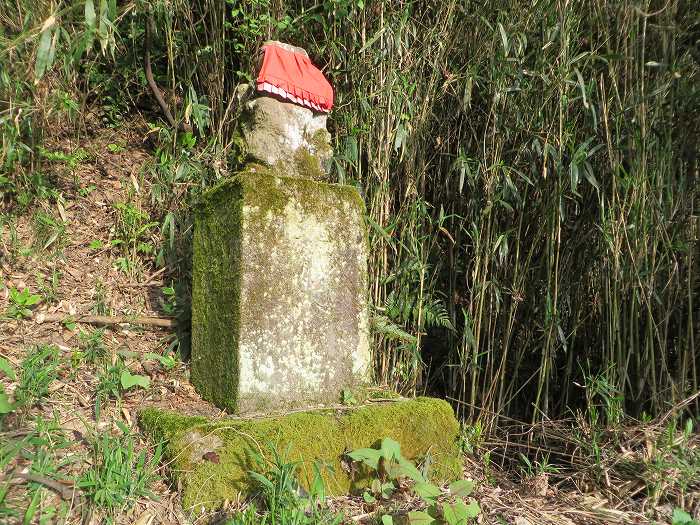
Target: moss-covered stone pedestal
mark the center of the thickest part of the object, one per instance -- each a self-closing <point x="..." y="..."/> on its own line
<point x="209" y="459"/>
<point x="279" y="311"/>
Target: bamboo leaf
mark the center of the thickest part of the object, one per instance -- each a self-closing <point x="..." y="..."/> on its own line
<point x="90" y="15"/>
<point x="504" y="39"/>
<point x="43" y="53"/>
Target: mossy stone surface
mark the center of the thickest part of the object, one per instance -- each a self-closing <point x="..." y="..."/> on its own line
<point x="279" y="306"/>
<point x="426" y="429"/>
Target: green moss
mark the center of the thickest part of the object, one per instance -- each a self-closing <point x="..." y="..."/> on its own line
<point x="426" y="429"/>
<point x="320" y="141"/>
<point x="216" y="294"/>
<point x="307" y="165"/>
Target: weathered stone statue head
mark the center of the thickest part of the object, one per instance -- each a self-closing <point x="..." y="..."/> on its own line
<point x="284" y="130"/>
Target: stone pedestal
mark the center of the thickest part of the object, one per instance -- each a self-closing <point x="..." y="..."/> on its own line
<point x="425" y="428"/>
<point x="279" y="311"/>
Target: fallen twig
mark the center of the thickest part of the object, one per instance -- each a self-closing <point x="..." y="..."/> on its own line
<point x="66" y="492"/>
<point x="162" y="322"/>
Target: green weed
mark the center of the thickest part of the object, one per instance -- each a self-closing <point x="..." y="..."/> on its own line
<point x="41" y="451"/>
<point x="284" y="501"/>
<point x="37" y="371"/>
<point x="48" y="286"/>
<point x="390" y="466"/>
<point x="99" y="297"/>
<point x="21" y="303"/>
<point x="48" y="231"/>
<point x="92" y="345"/>
<point x="132" y="236"/>
<point x="114" y="380"/>
<point x="119" y="475"/>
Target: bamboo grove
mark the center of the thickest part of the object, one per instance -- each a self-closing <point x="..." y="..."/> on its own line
<point x="530" y="171"/>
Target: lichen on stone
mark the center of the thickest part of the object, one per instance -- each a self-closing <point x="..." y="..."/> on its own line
<point x="287" y="137"/>
<point x="426" y="429"/>
<point x="279" y="292"/>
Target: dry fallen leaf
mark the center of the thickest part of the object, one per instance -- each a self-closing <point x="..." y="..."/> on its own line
<point x="145" y="519"/>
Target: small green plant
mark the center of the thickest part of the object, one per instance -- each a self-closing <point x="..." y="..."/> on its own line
<point x="99" y="296"/>
<point x="529" y="468"/>
<point x="390" y="466"/>
<point x="72" y="160"/>
<point x="115" y="148"/>
<point x="166" y="361"/>
<point x="20" y="303"/>
<point x="681" y="517"/>
<point x="132" y="236"/>
<point x="86" y="190"/>
<point x="284" y="500"/>
<point x="471" y="437"/>
<point x="119" y="474"/>
<point x="114" y="381"/>
<point x="347" y="397"/>
<point x="49" y="231"/>
<point x="49" y="286"/>
<point x="44" y="451"/>
<point x="37" y="371"/>
<point x="92" y="345"/>
<point x="168" y="302"/>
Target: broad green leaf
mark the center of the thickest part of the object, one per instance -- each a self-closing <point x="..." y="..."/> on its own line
<point x="462" y="488"/>
<point x="129" y="380"/>
<point x="318" y="487"/>
<point x="368" y="456"/>
<point x="472" y="510"/>
<point x="681" y="517"/>
<point x="427" y="491"/>
<point x="387" y="520"/>
<point x="390" y="449"/>
<point x="6" y="367"/>
<point x="458" y="513"/>
<point x="32" y="300"/>
<point x="420" y="518"/>
<point x="404" y="468"/>
<point x="367" y="496"/>
<point x="262" y="480"/>
<point x="451" y="515"/>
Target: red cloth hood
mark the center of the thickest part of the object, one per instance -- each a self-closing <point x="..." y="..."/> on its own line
<point x="292" y="76"/>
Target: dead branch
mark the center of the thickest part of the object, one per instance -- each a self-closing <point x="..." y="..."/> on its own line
<point x="107" y="320"/>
